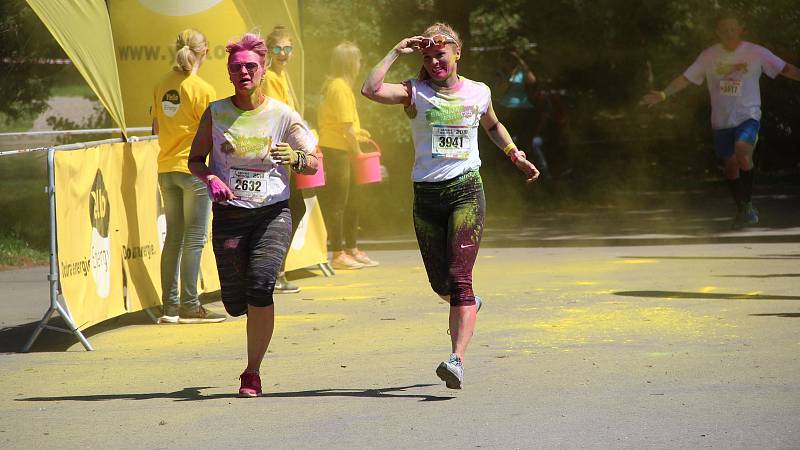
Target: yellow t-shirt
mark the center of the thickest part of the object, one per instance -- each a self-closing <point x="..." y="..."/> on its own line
<point x="277" y="87"/>
<point x="178" y="103"/>
<point x="336" y="113"/>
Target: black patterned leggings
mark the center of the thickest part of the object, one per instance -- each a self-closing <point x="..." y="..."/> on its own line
<point x="250" y="246"/>
<point x="448" y="219"/>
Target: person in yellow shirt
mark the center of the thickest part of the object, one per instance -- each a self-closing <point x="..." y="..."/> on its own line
<point x="179" y="100"/>
<point x="339" y="135"/>
<point x="276" y="82"/>
<point x="276" y="85"/>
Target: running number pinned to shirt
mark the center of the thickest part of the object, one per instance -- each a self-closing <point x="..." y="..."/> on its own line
<point x="451" y="141"/>
<point x="730" y="88"/>
<point x="249" y="184"/>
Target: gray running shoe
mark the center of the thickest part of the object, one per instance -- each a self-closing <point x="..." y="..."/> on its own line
<point x="199" y="315"/>
<point x="451" y="372"/>
<point x="749" y="215"/>
<point x="283" y="286"/>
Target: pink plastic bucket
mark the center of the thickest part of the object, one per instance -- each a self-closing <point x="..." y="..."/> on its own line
<point x="367" y="166"/>
<point x="311" y="181"/>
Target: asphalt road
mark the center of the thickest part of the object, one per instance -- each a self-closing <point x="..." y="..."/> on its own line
<point x="672" y="346"/>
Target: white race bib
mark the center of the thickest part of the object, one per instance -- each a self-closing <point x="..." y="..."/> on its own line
<point x="248" y="184"/>
<point x="451" y="141"/>
<point x="730" y="88"/>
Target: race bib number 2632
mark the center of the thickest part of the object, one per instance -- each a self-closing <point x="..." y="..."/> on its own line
<point x="249" y="184"/>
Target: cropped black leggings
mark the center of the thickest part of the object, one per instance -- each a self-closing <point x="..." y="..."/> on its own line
<point x="448" y="219"/>
<point x="249" y="246"/>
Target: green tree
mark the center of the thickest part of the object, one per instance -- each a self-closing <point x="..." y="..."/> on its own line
<point x="23" y="41"/>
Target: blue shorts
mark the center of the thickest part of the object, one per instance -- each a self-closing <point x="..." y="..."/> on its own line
<point x="725" y="139"/>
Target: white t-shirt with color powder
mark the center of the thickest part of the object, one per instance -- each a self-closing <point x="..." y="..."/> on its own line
<point x="241" y="143"/>
<point x="444" y="128"/>
<point x="733" y="79"/>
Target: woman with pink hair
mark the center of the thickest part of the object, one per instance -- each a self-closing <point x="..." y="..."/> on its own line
<point x="250" y="141"/>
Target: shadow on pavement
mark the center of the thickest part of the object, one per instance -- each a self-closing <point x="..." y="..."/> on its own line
<point x="768" y="275"/>
<point x="787" y="315"/>
<point x="780" y="257"/>
<point x="195" y="394"/>
<point x="705" y="295"/>
<point x="12" y="339"/>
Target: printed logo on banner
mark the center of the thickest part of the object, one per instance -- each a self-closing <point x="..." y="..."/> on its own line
<point x="100" y="215"/>
<point x="171" y="103"/>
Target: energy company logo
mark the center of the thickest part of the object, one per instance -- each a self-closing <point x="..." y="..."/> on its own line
<point x="100" y="255"/>
<point x="170" y="103"/>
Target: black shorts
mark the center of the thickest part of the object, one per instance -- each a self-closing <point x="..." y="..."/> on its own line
<point x="250" y="246"/>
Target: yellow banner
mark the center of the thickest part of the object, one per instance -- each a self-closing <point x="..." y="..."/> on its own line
<point x="139" y="237"/>
<point x="310" y="243"/>
<point x="89" y="214"/>
<point x="145" y="32"/>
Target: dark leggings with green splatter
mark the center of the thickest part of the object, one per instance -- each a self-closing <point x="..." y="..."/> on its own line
<point x="448" y="219"/>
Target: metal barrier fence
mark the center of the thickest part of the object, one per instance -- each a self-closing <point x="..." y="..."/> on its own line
<point x="53" y="275"/>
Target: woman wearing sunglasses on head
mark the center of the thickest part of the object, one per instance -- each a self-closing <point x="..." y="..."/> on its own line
<point x="276" y="85"/>
<point x="252" y="142"/>
<point x="445" y="110"/>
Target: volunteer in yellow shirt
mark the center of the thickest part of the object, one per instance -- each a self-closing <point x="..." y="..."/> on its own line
<point x="276" y="82"/>
<point x="276" y="85"/>
<point x="339" y="135"/>
<point x="179" y="100"/>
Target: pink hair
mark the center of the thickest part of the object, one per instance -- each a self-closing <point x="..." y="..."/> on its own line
<point x="250" y="42"/>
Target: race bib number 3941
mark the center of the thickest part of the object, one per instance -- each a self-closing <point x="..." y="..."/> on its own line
<point x="249" y="184"/>
<point x="451" y="141"/>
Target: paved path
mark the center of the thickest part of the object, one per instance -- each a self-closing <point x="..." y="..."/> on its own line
<point x="688" y="346"/>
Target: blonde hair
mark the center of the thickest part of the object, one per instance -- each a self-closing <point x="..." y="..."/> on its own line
<point x="345" y="61"/>
<point x="277" y="33"/>
<point x="191" y="45"/>
<point x="433" y="30"/>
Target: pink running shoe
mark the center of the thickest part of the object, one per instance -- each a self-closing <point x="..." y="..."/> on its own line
<point x="362" y="257"/>
<point x="251" y="385"/>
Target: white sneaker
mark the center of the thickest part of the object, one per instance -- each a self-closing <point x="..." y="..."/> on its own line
<point x="451" y="372"/>
<point x="169" y="315"/>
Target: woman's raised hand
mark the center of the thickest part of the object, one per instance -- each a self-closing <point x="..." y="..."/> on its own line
<point x="408" y="45"/>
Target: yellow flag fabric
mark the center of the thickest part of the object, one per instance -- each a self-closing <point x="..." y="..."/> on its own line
<point x="83" y="29"/>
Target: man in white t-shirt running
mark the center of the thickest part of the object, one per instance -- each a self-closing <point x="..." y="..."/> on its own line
<point x="732" y="69"/>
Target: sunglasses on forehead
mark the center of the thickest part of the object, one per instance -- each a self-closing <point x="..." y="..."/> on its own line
<point x="437" y="40"/>
<point x="236" y="67"/>
<point x="277" y="49"/>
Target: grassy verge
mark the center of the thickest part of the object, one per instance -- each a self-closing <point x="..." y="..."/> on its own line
<point x="14" y="252"/>
<point x="23" y="123"/>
